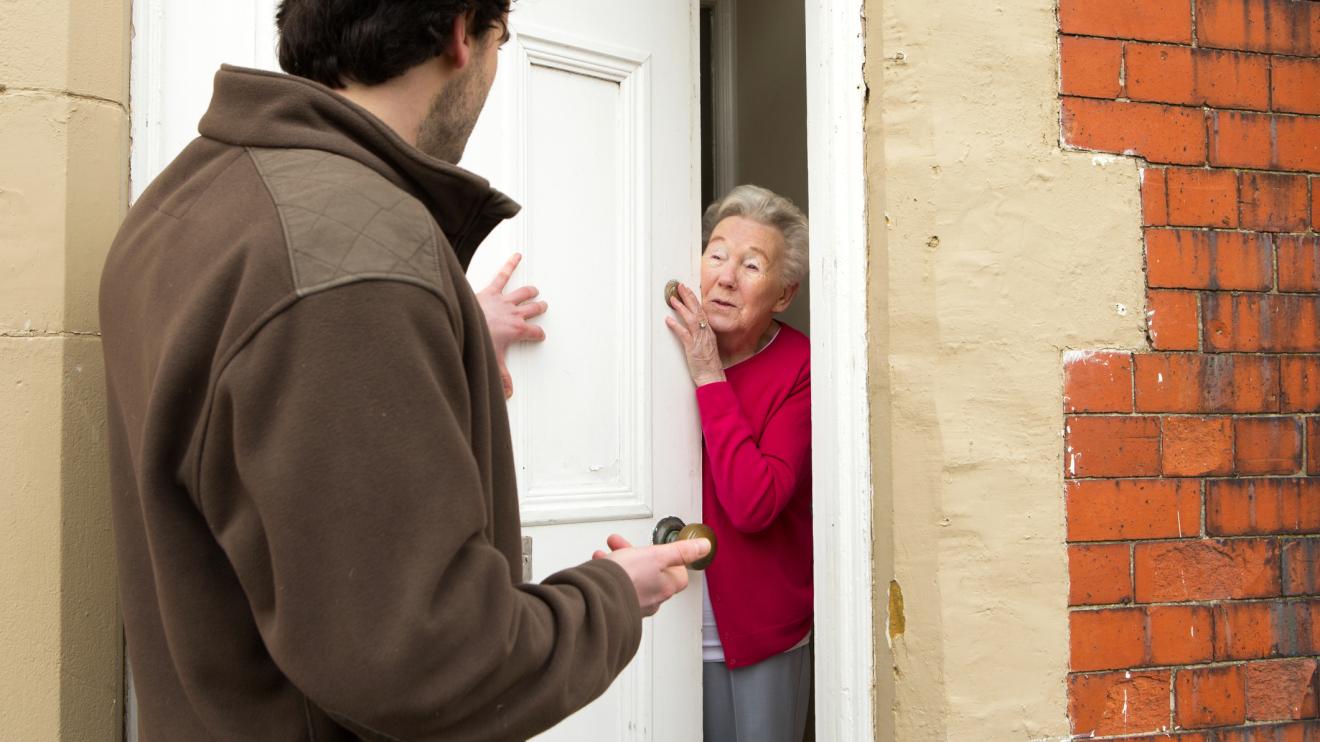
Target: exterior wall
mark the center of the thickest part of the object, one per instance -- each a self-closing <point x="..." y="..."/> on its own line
<point x="1193" y="498"/>
<point x="63" y="191"/>
<point x="1009" y="279"/>
<point x="995" y="253"/>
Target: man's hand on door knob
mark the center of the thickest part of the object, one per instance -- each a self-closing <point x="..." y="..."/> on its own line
<point x="658" y="573"/>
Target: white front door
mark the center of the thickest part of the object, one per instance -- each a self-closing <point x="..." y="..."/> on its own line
<point x="592" y="126"/>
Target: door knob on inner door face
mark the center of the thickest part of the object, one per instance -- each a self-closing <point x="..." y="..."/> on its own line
<point x="671" y="290"/>
<point x="672" y="529"/>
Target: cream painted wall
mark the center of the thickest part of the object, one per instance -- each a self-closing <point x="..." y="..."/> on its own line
<point x="63" y="191"/>
<point x="994" y="253"/>
<point x="772" y="108"/>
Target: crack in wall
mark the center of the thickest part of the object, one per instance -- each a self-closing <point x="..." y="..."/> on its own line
<point x="57" y="93"/>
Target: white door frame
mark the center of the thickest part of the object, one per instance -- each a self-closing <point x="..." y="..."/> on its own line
<point x="840" y="404"/>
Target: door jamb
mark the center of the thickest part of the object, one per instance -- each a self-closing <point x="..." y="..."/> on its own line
<point x="840" y="403"/>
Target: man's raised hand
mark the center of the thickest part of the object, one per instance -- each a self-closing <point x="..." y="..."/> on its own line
<point x="507" y="315"/>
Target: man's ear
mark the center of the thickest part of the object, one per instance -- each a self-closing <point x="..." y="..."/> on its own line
<point x="458" y="46"/>
<point x="786" y="298"/>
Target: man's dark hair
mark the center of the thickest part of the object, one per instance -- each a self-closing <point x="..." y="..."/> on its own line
<point x="371" y="41"/>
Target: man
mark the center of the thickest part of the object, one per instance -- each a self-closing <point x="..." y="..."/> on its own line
<point x="315" y="511"/>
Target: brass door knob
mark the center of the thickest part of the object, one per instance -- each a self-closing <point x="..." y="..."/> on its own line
<point x="671" y="290"/>
<point x="672" y="529"/>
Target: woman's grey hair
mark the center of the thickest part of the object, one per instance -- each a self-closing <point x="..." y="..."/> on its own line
<point x="771" y="209"/>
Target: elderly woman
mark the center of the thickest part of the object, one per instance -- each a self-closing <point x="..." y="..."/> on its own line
<point x="753" y="379"/>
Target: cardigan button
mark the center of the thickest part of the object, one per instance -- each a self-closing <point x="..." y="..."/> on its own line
<point x="672" y="529"/>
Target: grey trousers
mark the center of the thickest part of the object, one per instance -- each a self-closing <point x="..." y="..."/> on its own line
<point x="766" y="702"/>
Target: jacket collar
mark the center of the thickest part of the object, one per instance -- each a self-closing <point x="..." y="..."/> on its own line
<point x="255" y="108"/>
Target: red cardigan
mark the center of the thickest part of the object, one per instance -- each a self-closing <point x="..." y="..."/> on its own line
<point x="756" y="480"/>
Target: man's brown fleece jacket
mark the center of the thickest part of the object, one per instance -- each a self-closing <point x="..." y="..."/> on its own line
<point x="314" y="499"/>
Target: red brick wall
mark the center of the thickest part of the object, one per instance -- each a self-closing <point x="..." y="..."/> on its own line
<point x="1193" y="469"/>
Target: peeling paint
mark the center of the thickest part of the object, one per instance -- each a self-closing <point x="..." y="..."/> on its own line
<point x="897" y="618"/>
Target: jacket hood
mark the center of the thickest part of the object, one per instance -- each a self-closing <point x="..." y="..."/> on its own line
<point x="256" y="108"/>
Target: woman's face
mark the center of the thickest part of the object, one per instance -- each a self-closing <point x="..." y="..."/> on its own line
<point x="741" y="276"/>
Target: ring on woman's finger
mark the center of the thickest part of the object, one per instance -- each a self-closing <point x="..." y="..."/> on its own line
<point x="702" y="324"/>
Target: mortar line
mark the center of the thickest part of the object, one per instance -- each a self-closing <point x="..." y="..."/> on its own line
<point x="1176" y="733"/>
<point x="1269" y="83"/>
<point x="1212" y="665"/>
<point x="1229" y="230"/>
<point x="1173" y="702"/>
<point x="1132" y="568"/>
<point x="1209" y="603"/>
<point x="1205" y="490"/>
<point x="1236" y="169"/>
<point x="1202" y="106"/>
<point x="1189" y="45"/>
<point x="1306" y="449"/>
<point x="1122" y="69"/>
<point x="1274" y="256"/>
<point x="1194" y="413"/>
<point x="1195" y="42"/>
<point x="1185" y="540"/>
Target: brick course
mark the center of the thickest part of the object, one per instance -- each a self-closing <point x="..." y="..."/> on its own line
<point x="1192" y="467"/>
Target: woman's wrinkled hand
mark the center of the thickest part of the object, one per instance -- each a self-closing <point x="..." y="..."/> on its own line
<point x="507" y="315"/>
<point x="697" y="337"/>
